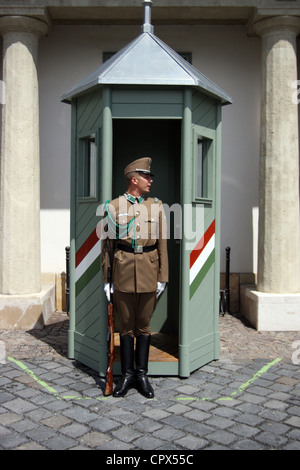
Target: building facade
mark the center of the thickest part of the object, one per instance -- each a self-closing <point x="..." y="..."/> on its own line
<point x="247" y="47"/>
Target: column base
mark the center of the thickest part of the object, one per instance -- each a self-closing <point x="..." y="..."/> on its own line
<point x="27" y="312"/>
<point x="270" y="312"/>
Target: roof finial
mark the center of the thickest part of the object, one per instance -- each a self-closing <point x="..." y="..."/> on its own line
<point x="147" y="26"/>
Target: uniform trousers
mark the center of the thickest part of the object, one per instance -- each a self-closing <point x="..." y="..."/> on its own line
<point x="135" y="312"/>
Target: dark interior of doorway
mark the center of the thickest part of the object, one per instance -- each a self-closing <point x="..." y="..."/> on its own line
<point x="159" y="139"/>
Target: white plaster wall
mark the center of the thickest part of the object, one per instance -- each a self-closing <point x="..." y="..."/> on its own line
<point x="223" y="53"/>
<point x="233" y="61"/>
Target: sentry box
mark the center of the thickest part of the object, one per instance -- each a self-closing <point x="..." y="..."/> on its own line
<point x="147" y="100"/>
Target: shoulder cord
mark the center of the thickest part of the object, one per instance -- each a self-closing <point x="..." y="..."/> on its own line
<point x="115" y="228"/>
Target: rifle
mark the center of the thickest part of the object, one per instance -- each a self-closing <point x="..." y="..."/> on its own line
<point x="110" y="344"/>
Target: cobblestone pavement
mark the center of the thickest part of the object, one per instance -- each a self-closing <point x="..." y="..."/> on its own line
<point x="248" y="400"/>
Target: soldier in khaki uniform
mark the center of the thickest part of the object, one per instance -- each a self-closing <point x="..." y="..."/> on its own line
<point x="136" y="248"/>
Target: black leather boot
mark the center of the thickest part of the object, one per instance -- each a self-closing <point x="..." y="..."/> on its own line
<point x="127" y="380"/>
<point x="141" y="362"/>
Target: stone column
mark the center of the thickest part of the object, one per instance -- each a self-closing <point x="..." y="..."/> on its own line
<point x="275" y="303"/>
<point x="279" y="242"/>
<point x="20" y="166"/>
<point x="24" y="302"/>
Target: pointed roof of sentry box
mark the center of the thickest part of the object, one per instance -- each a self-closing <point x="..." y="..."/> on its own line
<point x="147" y="61"/>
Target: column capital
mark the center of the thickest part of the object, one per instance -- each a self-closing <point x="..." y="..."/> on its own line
<point x="22" y="24"/>
<point x="265" y="26"/>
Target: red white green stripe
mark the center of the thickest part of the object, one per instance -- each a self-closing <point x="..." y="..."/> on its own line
<point x="87" y="261"/>
<point x="202" y="258"/>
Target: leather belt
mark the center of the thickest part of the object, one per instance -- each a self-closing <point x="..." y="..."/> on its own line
<point x="138" y="250"/>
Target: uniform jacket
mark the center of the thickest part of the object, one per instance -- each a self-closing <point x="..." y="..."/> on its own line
<point x="135" y="222"/>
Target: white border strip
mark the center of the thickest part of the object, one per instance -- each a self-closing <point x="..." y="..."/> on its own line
<point x="88" y="260"/>
<point x="202" y="258"/>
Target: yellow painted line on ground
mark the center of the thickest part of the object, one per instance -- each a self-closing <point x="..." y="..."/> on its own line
<point x="52" y="390"/>
<point x="46" y="386"/>
<point x="33" y="376"/>
<point x="262" y="371"/>
<point x="243" y="387"/>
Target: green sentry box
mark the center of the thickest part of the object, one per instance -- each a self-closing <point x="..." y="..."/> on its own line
<point x="126" y="109"/>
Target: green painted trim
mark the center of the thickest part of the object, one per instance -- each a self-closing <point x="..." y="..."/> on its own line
<point x="202" y="273"/>
<point x="155" y="368"/>
<point x="147" y="103"/>
<point x="72" y="228"/>
<point x="88" y="275"/>
<point x="107" y="143"/>
<point x="82" y="141"/>
<point x="163" y="368"/>
<point x="210" y="147"/>
<point x="218" y="170"/>
<point x="106" y="160"/>
<point x="186" y="166"/>
<point x="147" y="94"/>
<point x="147" y="111"/>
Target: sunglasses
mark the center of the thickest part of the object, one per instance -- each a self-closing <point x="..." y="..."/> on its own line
<point x="146" y="176"/>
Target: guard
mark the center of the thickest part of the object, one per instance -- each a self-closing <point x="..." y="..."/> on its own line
<point x="136" y="248"/>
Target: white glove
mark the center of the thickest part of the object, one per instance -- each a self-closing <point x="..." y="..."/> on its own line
<point x="108" y="291"/>
<point x="160" y="288"/>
